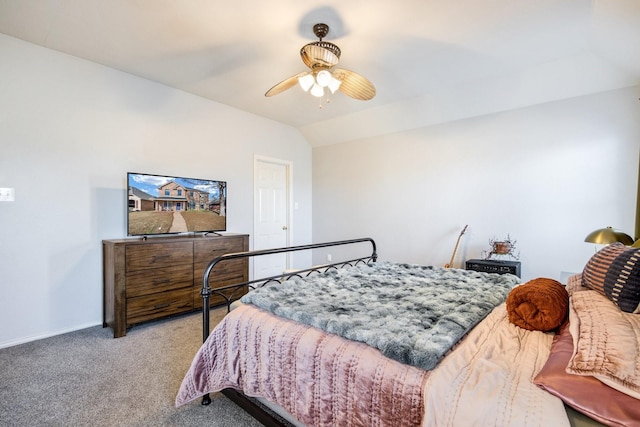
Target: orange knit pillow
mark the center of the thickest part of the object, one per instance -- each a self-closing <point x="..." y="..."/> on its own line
<point x="538" y="305"/>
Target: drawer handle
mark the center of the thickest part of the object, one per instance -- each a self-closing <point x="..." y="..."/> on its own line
<point x="157" y="306"/>
<point x="161" y="282"/>
<point x="159" y="258"/>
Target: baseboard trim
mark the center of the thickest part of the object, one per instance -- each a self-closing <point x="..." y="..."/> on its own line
<point x="25" y="340"/>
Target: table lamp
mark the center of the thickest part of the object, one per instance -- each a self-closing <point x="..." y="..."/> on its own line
<point x="608" y="235"/>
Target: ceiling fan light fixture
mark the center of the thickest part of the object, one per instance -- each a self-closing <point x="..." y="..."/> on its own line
<point x="306" y="81"/>
<point x="324" y="78"/>
<point x="317" y="90"/>
<point x="334" y="84"/>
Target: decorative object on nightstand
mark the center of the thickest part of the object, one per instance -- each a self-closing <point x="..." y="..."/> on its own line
<point x="608" y="235"/>
<point x="500" y="259"/>
<point x="504" y="249"/>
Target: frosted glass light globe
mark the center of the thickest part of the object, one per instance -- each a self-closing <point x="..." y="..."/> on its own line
<point x="316" y="90"/>
<point x="306" y="81"/>
<point x="324" y="78"/>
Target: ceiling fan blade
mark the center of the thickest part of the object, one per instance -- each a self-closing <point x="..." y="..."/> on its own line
<point x="354" y="85"/>
<point x="285" y="84"/>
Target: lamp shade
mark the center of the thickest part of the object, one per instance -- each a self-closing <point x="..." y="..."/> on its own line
<point x="608" y="235"/>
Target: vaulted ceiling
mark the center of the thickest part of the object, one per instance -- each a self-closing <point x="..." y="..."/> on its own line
<point x="431" y="61"/>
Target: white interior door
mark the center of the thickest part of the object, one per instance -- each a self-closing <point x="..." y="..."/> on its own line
<point x="271" y="217"/>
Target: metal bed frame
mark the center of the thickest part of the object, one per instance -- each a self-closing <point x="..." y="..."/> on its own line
<point x="231" y="293"/>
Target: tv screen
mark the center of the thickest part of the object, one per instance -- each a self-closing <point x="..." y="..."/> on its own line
<point x="159" y="204"/>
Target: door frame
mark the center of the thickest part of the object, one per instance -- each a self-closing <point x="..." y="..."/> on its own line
<point x="257" y="160"/>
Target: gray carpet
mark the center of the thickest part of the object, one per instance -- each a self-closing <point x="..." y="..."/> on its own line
<point x="88" y="378"/>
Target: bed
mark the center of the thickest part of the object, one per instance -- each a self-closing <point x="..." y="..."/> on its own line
<point x="284" y="365"/>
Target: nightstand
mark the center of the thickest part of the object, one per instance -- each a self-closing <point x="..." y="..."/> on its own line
<point x="493" y="266"/>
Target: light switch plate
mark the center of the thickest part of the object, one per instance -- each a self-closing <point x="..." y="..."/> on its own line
<point x="7" y="195"/>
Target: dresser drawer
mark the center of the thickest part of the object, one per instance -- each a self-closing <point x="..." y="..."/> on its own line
<point x="155" y="255"/>
<point x="153" y="306"/>
<point x="225" y="273"/>
<point x="207" y="250"/>
<point x="145" y="282"/>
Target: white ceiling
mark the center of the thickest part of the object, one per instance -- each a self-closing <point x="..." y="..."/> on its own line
<point x="431" y="61"/>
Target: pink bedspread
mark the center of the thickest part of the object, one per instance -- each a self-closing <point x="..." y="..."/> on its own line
<point x="321" y="379"/>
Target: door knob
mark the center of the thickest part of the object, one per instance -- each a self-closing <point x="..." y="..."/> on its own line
<point x="284" y="227"/>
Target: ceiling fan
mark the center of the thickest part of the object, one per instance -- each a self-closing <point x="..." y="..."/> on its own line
<point x="321" y="57"/>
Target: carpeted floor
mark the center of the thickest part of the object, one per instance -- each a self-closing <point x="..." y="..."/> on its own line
<point x="88" y="378"/>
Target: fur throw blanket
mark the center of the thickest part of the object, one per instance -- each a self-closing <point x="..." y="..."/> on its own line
<point x="539" y="305"/>
<point x="412" y="314"/>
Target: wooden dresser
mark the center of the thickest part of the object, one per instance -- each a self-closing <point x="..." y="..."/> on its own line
<point x="154" y="278"/>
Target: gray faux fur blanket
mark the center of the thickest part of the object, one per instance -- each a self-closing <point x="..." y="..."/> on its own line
<point x="413" y="314"/>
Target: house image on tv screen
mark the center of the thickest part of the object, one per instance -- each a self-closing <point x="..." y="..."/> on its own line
<point x="171" y="197"/>
<point x="158" y="204"/>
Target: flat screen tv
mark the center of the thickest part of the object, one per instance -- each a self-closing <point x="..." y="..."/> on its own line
<point x="158" y="204"/>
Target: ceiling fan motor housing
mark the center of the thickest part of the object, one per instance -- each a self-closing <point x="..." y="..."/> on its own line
<point x="323" y="54"/>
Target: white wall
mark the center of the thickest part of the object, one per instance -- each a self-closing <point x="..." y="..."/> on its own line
<point x="69" y="132"/>
<point x="545" y="175"/>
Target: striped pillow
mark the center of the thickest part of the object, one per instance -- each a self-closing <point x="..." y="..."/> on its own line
<point x="614" y="271"/>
